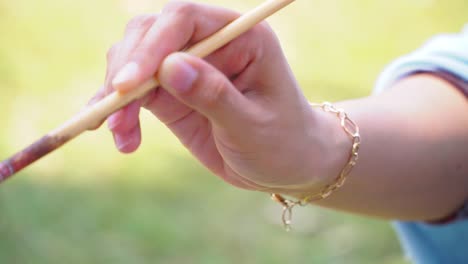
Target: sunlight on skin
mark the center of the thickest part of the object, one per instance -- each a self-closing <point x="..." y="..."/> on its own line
<point x="87" y="203"/>
<point x="52" y="79"/>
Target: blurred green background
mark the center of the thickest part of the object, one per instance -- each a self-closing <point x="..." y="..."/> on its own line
<point x="86" y="203"/>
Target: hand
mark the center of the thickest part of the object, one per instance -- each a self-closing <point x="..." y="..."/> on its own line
<point x="239" y="111"/>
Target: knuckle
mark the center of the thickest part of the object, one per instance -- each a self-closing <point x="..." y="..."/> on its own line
<point x="144" y="56"/>
<point x="134" y="22"/>
<point x="263" y="30"/>
<point x="217" y="93"/>
<point x="180" y="8"/>
<point x="140" y="21"/>
<point x="265" y="27"/>
<point x="260" y="33"/>
<point x="149" y="20"/>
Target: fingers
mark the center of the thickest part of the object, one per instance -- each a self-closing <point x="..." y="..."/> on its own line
<point x="120" y="52"/>
<point x="149" y="40"/>
<point x="166" y="107"/>
<point x="125" y="126"/>
<point x="179" y="25"/>
<point x="205" y="89"/>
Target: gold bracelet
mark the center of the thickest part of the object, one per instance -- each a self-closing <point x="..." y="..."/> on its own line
<point x="352" y="130"/>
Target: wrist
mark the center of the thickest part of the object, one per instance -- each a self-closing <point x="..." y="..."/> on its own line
<point x="327" y="152"/>
<point x="330" y="156"/>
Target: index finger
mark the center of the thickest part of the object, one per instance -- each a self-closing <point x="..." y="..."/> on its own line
<point x="179" y="25"/>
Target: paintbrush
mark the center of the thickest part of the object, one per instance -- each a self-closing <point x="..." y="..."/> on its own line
<point x="93" y="115"/>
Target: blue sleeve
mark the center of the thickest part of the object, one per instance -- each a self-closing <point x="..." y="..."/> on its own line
<point x="447" y="52"/>
<point x="425" y="243"/>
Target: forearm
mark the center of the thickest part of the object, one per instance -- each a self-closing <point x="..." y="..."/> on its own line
<point x="414" y="152"/>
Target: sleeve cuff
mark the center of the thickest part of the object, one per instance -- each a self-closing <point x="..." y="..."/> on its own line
<point x="447" y="53"/>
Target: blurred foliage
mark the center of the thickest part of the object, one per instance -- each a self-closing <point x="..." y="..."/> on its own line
<point x="88" y="204"/>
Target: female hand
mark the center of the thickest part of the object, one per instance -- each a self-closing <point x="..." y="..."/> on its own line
<point x="239" y="111"/>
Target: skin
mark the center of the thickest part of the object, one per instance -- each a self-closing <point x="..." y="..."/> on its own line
<point x="241" y="113"/>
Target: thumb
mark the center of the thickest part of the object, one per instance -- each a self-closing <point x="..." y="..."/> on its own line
<point x="202" y="87"/>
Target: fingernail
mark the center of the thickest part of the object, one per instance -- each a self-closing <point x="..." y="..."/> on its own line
<point x="181" y="74"/>
<point x="127" y="74"/>
<point x="121" y="142"/>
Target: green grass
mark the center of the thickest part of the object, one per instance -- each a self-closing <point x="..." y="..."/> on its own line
<point x="88" y="204"/>
<point x="206" y="223"/>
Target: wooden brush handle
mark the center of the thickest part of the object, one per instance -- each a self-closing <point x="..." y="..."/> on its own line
<point x="93" y="115"/>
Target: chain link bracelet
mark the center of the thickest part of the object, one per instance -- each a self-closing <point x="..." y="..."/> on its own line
<point x="352" y="130"/>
